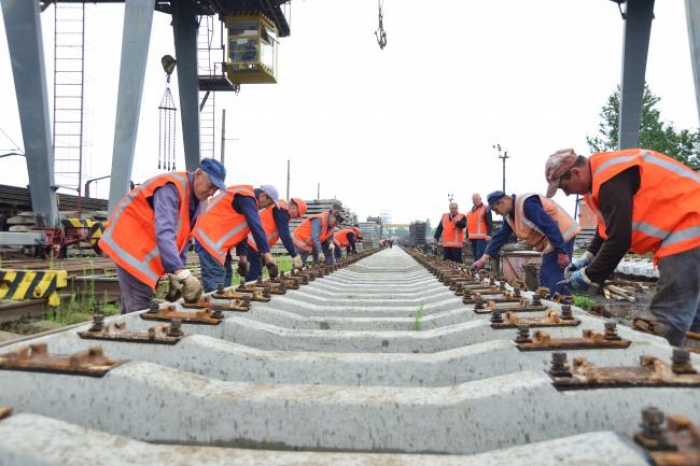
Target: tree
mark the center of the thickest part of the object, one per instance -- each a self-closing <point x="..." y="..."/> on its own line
<point x="654" y="134"/>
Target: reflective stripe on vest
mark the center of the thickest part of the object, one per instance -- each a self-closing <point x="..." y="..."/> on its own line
<point x="665" y="216"/>
<point x="146" y="269"/>
<point x="452" y="236"/>
<point x="477" y="218"/>
<point x="302" y="234"/>
<point x="269" y="225"/>
<point x="220" y="227"/>
<point x="526" y="230"/>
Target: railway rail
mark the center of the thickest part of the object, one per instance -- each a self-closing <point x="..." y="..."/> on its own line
<point x="382" y="361"/>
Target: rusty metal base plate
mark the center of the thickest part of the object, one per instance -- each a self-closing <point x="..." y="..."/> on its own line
<point x="35" y="358"/>
<point x="201" y="317"/>
<point x="5" y="412"/>
<point x="158" y="334"/>
<point x="541" y="341"/>
<point x="681" y="445"/>
<point x="651" y="372"/>
<point x="528" y="308"/>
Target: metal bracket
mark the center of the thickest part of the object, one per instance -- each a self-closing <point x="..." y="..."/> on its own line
<point x="165" y="334"/>
<point x="5" y="412"/>
<point x="256" y="293"/>
<point x="652" y="372"/>
<point x="35" y="358"/>
<point x="541" y="341"/>
<point x="236" y="302"/>
<point x="203" y="316"/>
<point x="676" y="445"/>
<point x="550" y="319"/>
<point x="524" y="305"/>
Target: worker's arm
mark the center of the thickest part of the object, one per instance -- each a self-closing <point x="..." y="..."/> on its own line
<point x="534" y="211"/>
<point x="489" y="222"/>
<point x="247" y="207"/>
<point x="499" y="239"/>
<point x="281" y="218"/>
<point x="615" y="197"/>
<point x="462" y="223"/>
<point x="351" y="240"/>
<point x="438" y="231"/>
<point x="316" y="228"/>
<point x="166" y="205"/>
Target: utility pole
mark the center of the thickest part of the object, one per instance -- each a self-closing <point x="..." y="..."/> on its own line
<point x="318" y="191"/>
<point x="503" y="156"/>
<point x="288" y="180"/>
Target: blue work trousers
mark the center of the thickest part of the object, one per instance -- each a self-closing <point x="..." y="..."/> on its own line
<point x="676" y="304"/>
<point x="136" y="295"/>
<point x="213" y="273"/>
<point x="551" y="273"/>
<point x="256" y="265"/>
<point x="452" y="254"/>
<point x="478" y="248"/>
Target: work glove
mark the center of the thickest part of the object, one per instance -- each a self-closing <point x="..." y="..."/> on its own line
<point x="297" y="262"/>
<point x="331" y="247"/>
<point x="478" y="265"/>
<point x="174" y="289"/>
<point x="578" y="264"/>
<point x="562" y="260"/>
<point x="243" y="268"/>
<point x="191" y="286"/>
<point x="321" y="258"/>
<point x="577" y="283"/>
<point x="272" y="269"/>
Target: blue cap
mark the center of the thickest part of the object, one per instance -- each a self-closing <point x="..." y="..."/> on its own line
<point x="215" y="170"/>
<point x="494" y="197"/>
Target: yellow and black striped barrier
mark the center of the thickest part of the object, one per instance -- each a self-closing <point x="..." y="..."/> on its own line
<point x="32" y="284"/>
<point x="92" y="229"/>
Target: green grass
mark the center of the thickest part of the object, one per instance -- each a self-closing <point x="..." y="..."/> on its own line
<point x="417" y="316"/>
<point x="584" y="302"/>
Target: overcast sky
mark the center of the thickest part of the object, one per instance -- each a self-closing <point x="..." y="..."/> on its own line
<point x="397" y="129"/>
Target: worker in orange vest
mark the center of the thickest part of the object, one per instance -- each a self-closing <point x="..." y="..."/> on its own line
<point x="346" y="238"/>
<point x="645" y="202"/>
<point x="542" y="224"/>
<point x="315" y="236"/>
<point x="451" y="228"/>
<point x="226" y="223"/>
<point x="479" y="226"/>
<point x="149" y="234"/>
<point x="275" y="218"/>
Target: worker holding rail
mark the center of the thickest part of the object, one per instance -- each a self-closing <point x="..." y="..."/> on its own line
<point x="542" y="224"/>
<point x="149" y="234"/>
<point x="275" y="216"/>
<point x="315" y="236"/>
<point x="226" y="223"/>
<point x="645" y="202"/>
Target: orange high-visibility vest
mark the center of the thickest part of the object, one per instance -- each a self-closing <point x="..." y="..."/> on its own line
<point x="357" y="231"/>
<point x="341" y="237"/>
<point x="531" y="233"/>
<point x="302" y="233"/>
<point x="220" y="227"/>
<point x="452" y="236"/>
<point x="130" y="237"/>
<point x="476" y="223"/>
<point x="665" y="209"/>
<point x="269" y="225"/>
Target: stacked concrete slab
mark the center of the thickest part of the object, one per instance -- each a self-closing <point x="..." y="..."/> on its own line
<point x="376" y="363"/>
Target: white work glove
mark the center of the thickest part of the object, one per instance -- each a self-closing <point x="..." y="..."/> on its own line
<point x="331" y="247"/>
<point x="297" y="262"/>
<point x="578" y="264"/>
<point x="191" y="286"/>
<point x="321" y="258"/>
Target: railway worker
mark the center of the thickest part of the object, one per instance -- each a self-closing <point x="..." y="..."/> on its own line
<point x="542" y="224"/>
<point x="479" y="226"/>
<point x="149" y="232"/>
<point x="226" y="223"/>
<point x="346" y="238"/>
<point x="645" y="202"/>
<point x="315" y="236"/>
<point x="275" y="218"/>
<point x="451" y="228"/>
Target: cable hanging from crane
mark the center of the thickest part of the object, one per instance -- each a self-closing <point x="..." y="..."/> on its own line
<point x="167" y="113"/>
<point x="380" y="34"/>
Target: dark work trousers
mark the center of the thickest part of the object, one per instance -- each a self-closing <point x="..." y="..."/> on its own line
<point x="478" y="248"/>
<point x="255" y="261"/>
<point x="551" y="273"/>
<point x="338" y="252"/>
<point x="213" y="273"/>
<point x="453" y="254"/>
<point x="676" y="303"/>
<point x="136" y="295"/>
